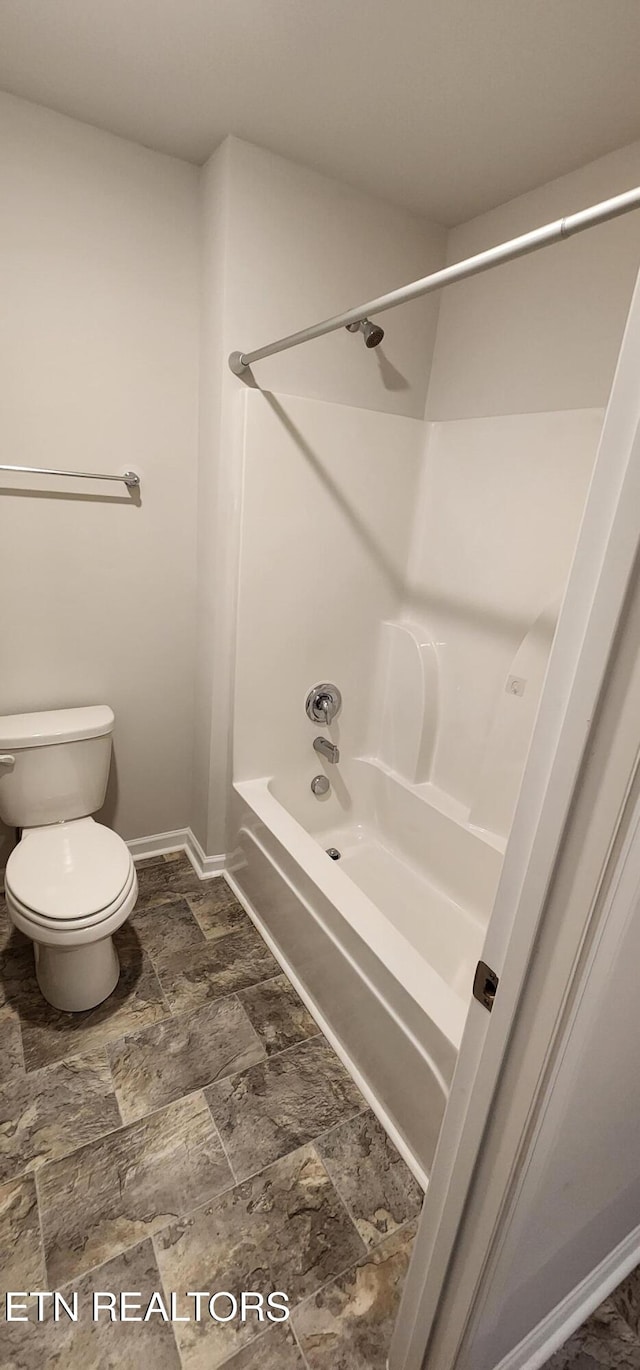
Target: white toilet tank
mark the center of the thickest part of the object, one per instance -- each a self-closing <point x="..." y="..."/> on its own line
<point x="54" y="766"/>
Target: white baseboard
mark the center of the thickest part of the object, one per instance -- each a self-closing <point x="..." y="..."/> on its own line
<point x="181" y="839"/>
<point x="560" y="1324"/>
<point x="204" y="866"/>
<point x="162" y="842"/>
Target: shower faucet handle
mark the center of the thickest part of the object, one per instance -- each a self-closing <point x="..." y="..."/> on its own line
<point x="323" y="703"/>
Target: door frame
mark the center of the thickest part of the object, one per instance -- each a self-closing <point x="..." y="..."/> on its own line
<point x="577" y="679"/>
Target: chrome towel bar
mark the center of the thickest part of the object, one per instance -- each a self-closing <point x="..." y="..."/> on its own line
<point x="130" y="478"/>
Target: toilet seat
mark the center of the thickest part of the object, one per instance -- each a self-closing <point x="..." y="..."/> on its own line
<point x="91" y="920"/>
<point x="69" y="875"/>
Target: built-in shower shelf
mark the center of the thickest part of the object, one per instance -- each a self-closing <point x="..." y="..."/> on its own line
<point x="405" y="703"/>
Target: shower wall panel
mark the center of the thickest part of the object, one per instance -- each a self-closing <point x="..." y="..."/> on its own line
<point x="499" y="511"/>
<point x="328" y="499"/>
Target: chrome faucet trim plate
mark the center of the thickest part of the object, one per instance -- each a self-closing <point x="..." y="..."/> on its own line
<point x="323" y="703"/>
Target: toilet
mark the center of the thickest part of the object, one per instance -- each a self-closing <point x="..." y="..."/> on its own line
<point x="70" y="882"/>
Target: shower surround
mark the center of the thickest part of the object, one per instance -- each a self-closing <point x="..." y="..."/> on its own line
<point x="404" y="565"/>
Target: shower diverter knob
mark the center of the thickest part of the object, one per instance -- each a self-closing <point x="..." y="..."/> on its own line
<point x="323" y="703"/>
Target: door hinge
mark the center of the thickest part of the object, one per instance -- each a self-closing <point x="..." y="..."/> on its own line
<point x="485" y="984"/>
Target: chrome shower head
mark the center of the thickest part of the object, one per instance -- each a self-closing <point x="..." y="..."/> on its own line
<point x="371" y="332"/>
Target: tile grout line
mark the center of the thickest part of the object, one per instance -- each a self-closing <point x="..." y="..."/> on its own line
<point x="171" y="1017"/>
<point x="33" y="1168"/>
<point x="236" y="1181"/>
<point x="336" y="1184"/>
<point x="209" y="942"/>
<point x="74" y="1280"/>
<point x="310" y="1141"/>
<point x="91" y="1270"/>
<point x="296" y="1045"/>
<point x="176" y="1018"/>
<point x="24" y="1064"/>
<point x="113" y="1132"/>
<point x="170" y="1013"/>
<point x="263" y="1335"/>
<point x="259" y="1336"/>
<point x="326" y="1284"/>
<point x="225" y="1153"/>
<point x="65" y="1061"/>
<point x="229" y="993"/>
<point x="122" y="1251"/>
<point x="103" y="1046"/>
<point x="341" y="1197"/>
<point x="347" y="1271"/>
<point x="228" y="1189"/>
<point x="40" y="1226"/>
<point x="280" y="975"/>
<point x="341" y="1122"/>
<point x="144" y="1117"/>
<point x="296" y="1337"/>
<point x="221" y="936"/>
<point x="164" y="1292"/>
<point x="186" y="896"/>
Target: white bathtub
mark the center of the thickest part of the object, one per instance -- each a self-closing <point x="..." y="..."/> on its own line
<point x="383" y="943"/>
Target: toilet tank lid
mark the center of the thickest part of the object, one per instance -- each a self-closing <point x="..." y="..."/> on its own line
<point x="54" y="725"/>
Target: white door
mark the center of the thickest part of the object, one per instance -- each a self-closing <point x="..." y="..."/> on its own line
<point x="459" y="1223"/>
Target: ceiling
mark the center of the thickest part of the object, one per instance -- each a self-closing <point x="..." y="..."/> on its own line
<point x="448" y="107"/>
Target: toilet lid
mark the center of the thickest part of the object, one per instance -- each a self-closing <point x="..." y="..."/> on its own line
<point x="68" y="871"/>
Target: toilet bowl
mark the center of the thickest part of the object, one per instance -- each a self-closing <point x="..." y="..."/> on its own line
<point x="70" y="883"/>
<point x="69" y="887"/>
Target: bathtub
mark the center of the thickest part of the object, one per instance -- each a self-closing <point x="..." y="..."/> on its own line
<point x="383" y="942"/>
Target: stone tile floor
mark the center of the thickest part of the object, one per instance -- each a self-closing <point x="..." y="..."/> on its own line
<point x="194" y="1133"/>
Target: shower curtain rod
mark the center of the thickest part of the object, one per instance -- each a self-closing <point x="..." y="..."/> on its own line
<point x="555" y="232"/>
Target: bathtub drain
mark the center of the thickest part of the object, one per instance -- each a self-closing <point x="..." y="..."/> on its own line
<point x="334" y="853"/>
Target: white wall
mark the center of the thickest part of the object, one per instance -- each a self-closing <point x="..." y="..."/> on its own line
<point x="544" y="332"/>
<point x="285" y="247"/>
<point x="304" y="247"/>
<point x="214" y="608"/>
<point x="98" y="338"/>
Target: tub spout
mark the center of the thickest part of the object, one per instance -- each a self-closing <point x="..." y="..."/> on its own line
<point x="326" y="749"/>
